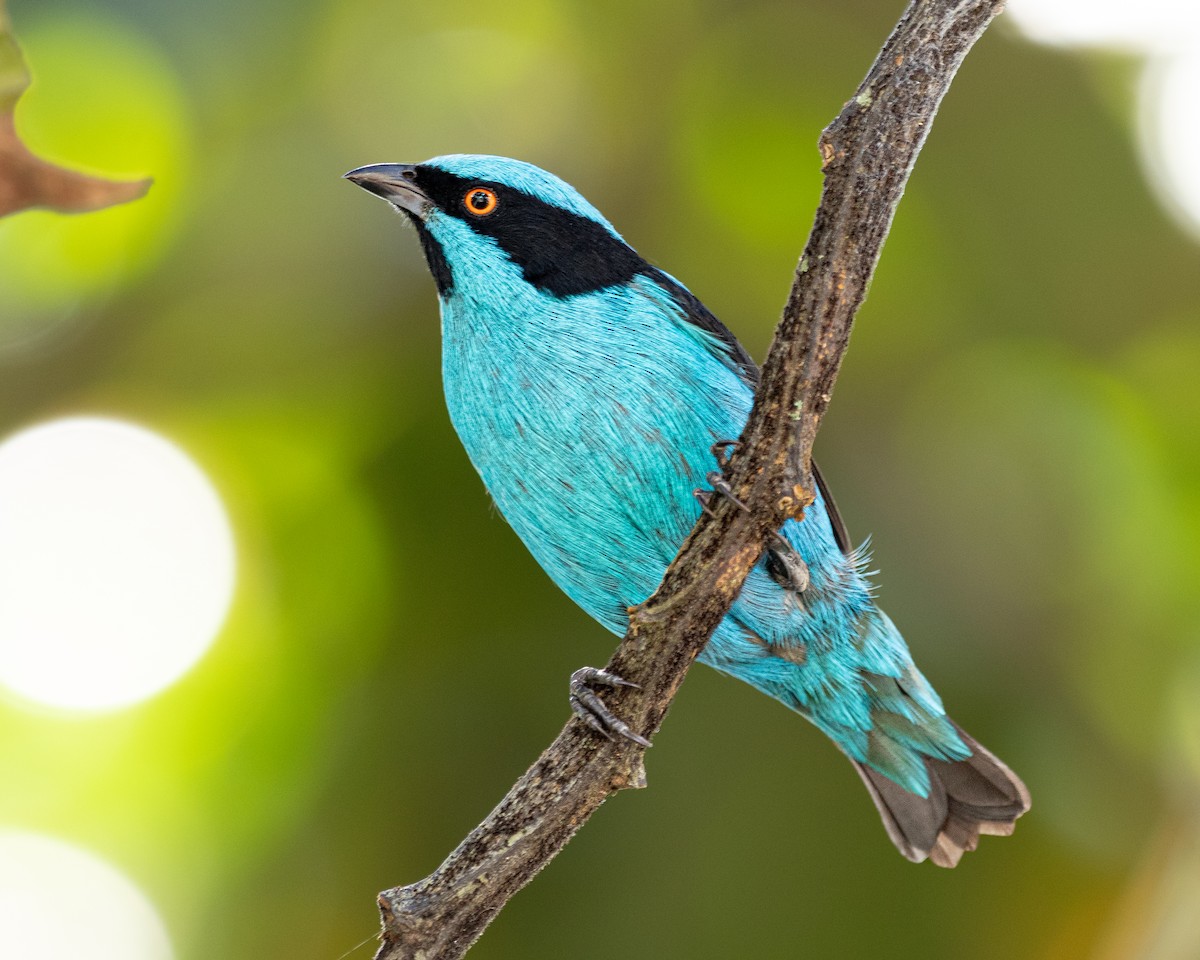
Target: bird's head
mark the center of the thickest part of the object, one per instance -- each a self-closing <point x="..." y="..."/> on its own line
<point x="478" y="214"/>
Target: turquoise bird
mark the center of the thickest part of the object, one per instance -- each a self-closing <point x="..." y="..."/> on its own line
<point x="590" y="389"/>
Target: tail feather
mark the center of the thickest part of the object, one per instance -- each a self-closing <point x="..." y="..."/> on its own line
<point x="967" y="798"/>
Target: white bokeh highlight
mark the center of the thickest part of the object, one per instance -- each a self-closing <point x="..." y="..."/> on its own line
<point x="1147" y="26"/>
<point x="116" y="563"/>
<point x="1167" y="32"/>
<point x="58" y="902"/>
<point x="1169" y="113"/>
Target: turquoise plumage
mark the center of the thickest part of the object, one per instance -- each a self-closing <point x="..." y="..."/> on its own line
<point x="588" y="389"/>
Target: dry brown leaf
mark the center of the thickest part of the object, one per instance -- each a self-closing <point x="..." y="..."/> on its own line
<point x="25" y="179"/>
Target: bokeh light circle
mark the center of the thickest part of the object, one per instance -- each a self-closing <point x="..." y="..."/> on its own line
<point x="59" y="903"/>
<point x="1149" y="25"/>
<point x="116" y="563"/>
<point x="1168" y="33"/>
<point x="1170" y="134"/>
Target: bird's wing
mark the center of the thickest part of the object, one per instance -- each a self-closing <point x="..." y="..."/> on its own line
<point x="840" y="533"/>
<point x="733" y="355"/>
<point x="727" y="348"/>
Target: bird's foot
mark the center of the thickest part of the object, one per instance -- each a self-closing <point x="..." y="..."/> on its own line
<point x="720" y="485"/>
<point x="589" y="708"/>
<point x="716" y="478"/>
<point x="704" y="498"/>
<point x="722" y="450"/>
<point x="786" y="567"/>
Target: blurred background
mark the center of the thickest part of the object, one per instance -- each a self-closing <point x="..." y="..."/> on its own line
<point x="265" y="647"/>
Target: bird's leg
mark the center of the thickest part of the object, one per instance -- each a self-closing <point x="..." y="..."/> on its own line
<point x="589" y="708"/>
<point x="783" y="562"/>
<point x="720" y="485"/>
<point x="716" y="478"/>
<point x="704" y="498"/>
<point x="785" y="566"/>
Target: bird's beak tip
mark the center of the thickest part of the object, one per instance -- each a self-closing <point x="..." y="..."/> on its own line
<point x="371" y="170"/>
<point x="394" y="182"/>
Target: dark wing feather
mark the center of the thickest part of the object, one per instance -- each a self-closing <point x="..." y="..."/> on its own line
<point x="840" y="533"/>
<point x="734" y="356"/>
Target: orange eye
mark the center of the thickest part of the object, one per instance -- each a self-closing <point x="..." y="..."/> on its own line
<point x="481" y="201"/>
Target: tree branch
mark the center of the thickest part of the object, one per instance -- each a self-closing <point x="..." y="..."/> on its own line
<point x="867" y="153"/>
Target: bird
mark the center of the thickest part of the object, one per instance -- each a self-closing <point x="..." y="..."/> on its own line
<point x="592" y="392"/>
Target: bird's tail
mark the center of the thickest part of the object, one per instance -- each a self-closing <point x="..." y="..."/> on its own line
<point x="966" y="799"/>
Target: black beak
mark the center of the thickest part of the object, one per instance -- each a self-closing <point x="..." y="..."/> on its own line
<point x="396" y="183"/>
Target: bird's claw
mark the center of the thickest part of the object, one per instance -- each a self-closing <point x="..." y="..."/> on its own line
<point x="720" y="485"/>
<point x="721" y="452"/>
<point x="586" y="705"/>
<point x="716" y="478"/>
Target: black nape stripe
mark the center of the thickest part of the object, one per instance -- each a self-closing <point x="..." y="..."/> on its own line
<point x="558" y="252"/>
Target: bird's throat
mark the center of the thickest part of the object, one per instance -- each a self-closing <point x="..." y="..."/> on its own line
<point x="439" y="266"/>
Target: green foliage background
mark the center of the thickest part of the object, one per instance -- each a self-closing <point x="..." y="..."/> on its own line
<point x="1016" y="425"/>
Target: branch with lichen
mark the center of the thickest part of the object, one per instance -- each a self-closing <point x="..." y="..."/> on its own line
<point x="867" y="155"/>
